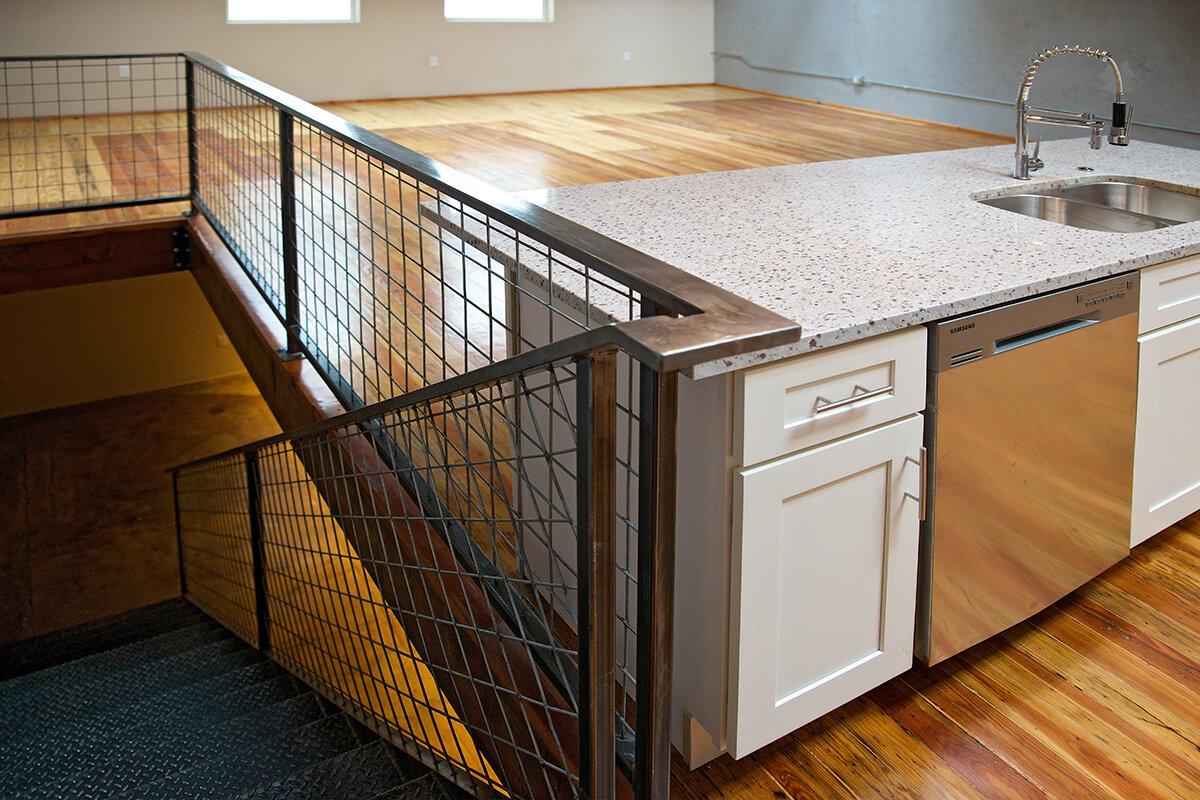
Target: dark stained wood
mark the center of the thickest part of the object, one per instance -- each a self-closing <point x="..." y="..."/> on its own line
<point x="87" y="523"/>
<point x="49" y="259"/>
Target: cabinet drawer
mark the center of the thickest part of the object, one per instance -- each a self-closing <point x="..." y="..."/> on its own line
<point x="1170" y="293"/>
<point x="794" y="404"/>
<point x="1166" y="461"/>
<point x="824" y="580"/>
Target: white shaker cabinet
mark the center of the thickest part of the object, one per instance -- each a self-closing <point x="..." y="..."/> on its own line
<point x="797" y="592"/>
<point x="824" y="577"/>
<point x="1166" y="463"/>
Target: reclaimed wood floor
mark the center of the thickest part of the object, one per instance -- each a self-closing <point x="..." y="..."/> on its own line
<point x="1094" y="698"/>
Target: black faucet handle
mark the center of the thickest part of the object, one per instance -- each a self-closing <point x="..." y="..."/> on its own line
<point x="1118" y="132"/>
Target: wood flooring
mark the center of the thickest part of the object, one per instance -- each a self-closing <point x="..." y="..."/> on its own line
<point x="533" y="141"/>
<point x="1095" y="698"/>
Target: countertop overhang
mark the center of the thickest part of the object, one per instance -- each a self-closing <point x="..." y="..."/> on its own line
<point x="851" y="249"/>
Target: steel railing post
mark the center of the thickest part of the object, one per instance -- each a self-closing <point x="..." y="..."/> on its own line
<point x="656" y="582"/>
<point x="287" y="207"/>
<point x="257" y="560"/>
<point x="596" y="421"/>
<point x="189" y="72"/>
<point x="179" y="536"/>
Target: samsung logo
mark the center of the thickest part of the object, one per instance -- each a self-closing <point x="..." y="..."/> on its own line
<point x="1104" y="297"/>
<point x="961" y="328"/>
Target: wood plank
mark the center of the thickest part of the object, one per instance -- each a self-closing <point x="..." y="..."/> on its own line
<point x="1008" y="739"/>
<point x="87" y="524"/>
<point x="981" y="767"/>
<point x="49" y="259"/>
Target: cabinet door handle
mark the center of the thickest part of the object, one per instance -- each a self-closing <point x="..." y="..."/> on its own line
<point x="922" y="464"/>
<point x="823" y="405"/>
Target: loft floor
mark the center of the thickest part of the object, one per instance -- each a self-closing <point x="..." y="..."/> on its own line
<point x="1096" y="697"/>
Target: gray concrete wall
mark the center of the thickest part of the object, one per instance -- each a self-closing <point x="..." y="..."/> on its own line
<point x="976" y="48"/>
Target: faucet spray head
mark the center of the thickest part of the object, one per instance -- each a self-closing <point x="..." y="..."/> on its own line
<point x="1118" y="131"/>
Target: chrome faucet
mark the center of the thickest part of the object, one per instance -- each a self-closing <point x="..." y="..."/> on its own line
<point x="1118" y="133"/>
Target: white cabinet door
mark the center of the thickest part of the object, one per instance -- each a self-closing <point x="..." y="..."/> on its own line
<point x="1166" y="462"/>
<point x="824" y="580"/>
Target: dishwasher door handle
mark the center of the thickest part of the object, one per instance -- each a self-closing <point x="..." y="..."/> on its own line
<point x="922" y="465"/>
<point x="1043" y="333"/>
<point x="823" y="405"/>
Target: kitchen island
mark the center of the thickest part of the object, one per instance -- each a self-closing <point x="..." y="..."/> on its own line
<point x="802" y="485"/>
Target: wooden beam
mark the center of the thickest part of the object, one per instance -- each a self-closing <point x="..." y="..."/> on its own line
<point x="54" y="258"/>
<point x="411" y="563"/>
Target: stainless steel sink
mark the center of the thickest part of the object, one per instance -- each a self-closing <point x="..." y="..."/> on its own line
<point x="1139" y="198"/>
<point x="1078" y="215"/>
<point x="1115" y="205"/>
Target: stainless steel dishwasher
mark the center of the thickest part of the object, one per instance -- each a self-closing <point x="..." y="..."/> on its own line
<point x="1030" y="436"/>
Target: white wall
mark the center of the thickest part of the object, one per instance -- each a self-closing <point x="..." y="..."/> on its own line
<point x="386" y="55"/>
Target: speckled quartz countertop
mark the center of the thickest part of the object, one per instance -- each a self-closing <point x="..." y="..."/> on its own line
<point x="850" y="249"/>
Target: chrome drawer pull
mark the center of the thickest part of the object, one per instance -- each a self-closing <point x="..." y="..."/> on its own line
<point x="923" y="466"/>
<point x="824" y="404"/>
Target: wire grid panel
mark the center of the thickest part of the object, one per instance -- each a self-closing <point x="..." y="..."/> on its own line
<point x="400" y="576"/>
<point x="214" y="542"/>
<point x="237" y="153"/>
<point x="402" y="286"/>
<point x="91" y="131"/>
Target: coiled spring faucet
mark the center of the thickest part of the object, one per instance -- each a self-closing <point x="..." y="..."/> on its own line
<point x="1118" y="132"/>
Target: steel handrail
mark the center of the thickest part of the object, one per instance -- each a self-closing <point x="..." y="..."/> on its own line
<point x="576" y="346"/>
<point x="705" y="322"/>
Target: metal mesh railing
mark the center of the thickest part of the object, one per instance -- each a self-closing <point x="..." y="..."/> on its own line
<point x="80" y="132"/>
<point x="475" y="560"/>
<point x="389" y="282"/>
<point x="335" y="550"/>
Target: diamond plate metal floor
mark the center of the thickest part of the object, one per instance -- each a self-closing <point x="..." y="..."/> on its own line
<point x="164" y="703"/>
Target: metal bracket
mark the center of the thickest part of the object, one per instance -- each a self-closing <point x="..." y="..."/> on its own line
<point x="180" y="248"/>
<point x="288" y="355"/>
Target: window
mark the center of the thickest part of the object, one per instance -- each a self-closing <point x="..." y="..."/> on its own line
<point x="500" y="10"/>
<point x="266" y="11"/>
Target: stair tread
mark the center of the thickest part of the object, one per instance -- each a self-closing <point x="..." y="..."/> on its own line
<point x="265" y="684"/>
<point x="101" y="666"/>
<point x="41" y="652"/>
<point x="364" y="772"/>
<point x="164" y="702"/>
<point x="260" y="761"/>
<point x="196" y="655"/>
<point x="142" y="690"/>
<point x="189" y="699"/>
<point x="427" y="787"/>
<point x="130" y="761"/>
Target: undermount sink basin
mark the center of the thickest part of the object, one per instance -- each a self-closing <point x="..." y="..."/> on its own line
<point x="1078" y="215"/>
<point x="1139" y="198"/>
<point x="1115" y="205"/>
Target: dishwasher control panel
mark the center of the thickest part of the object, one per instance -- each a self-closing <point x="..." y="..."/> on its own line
<point x="972" y="337"/>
